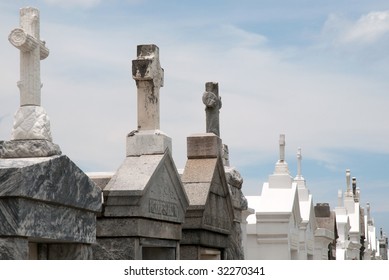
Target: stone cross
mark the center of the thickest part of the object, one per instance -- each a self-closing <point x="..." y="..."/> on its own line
<point x="282" y="147"/>
<point x="213" y="103"/>
<point x="299" y="158"/>
<point x="32" y="50"/>
<point x="148" y="75"/>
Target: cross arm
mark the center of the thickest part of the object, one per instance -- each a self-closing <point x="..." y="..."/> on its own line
<point x="25" y="42"/>
<point x="147" y="66"/>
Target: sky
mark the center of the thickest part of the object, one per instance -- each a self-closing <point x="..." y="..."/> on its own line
<point x="316" y="71"/>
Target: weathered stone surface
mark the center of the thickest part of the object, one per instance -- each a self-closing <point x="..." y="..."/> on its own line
<point x="199" y="170"/>
<point x="148" y="74"/>
<point x="235" y="251"/>
<point x="203" y="145"/>
<point x="13" y="248"/>
<point x="39" y="220"/>
<point x="70" y="251"/>
<point x="146" y="186"/>
<point x="31" y="122"/>
<point x="55" y="179"/>
<point x="119" y="227"/>
<point x="235" y="181"/>
<point x="233" y="177"/>
<point x="28" y="149"/>
<point x="203" y="238"/>
<point x="115" y="248"/>
<point x="209" y="217"/>
<point x="149" y="142"/>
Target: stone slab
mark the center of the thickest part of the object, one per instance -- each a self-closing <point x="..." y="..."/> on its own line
<point x="199" y="170"/>
<point x="119" y="227"/>
<point x="132" y="176"/>
<point x="146" y="186"/>
<point x="13" y="248"/>
<point x="197" y="194"/>
<point x="148" y="142"/>
<point x="28" y="149"/>
<point x="43" y="221"/>
<point x="203" y="145"/>
<point x="204" y="238"/>
<point x="53" y="179"/>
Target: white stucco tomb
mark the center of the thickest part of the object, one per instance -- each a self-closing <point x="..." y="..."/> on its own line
<point x="273" y="232"/>
<point x="308" y="224"/>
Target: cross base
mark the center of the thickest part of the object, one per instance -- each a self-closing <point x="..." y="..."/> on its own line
<point x="148" y="142"/>
<point x="31" y="122"/>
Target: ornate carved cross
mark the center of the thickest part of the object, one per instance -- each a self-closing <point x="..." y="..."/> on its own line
<point x="32" y="50"/>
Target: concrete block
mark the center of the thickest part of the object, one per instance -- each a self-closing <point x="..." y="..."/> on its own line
<point x="204" y="145"/>
<point x="149" y="142"/>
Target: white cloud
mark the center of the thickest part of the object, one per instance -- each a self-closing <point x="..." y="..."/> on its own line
<point x="368" y="29"/>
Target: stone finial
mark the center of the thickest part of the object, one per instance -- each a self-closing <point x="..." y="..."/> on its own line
<point x="340" y="198"/>
<point x="348" y="188"/>
<point x="369" y="220"/>
<point x="299" y="159"/>
<point x="213" y="103"/>
<point x="32" y="50"/>
<point x="282" y="147"/>
<point x="149" y="76"/>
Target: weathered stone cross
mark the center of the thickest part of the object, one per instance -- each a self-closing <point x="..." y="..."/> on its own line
<point x="32" y="50"/>
<point x="213" y="103"/>
<point x="148" y="74"/>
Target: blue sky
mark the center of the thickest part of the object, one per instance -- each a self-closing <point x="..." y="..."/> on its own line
<point x="313" y="70"/>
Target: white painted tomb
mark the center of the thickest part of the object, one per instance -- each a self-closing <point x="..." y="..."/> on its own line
<point x="343" y="226"/>
<point x="350" y="217"/>
<point x="273" y="232"/>
<point x="372" y="251"/>
<point x="308" y="224"/>
<point x="352" y="205"/>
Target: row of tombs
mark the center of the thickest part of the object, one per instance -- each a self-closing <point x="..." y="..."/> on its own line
<point x="148" y="209"/>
